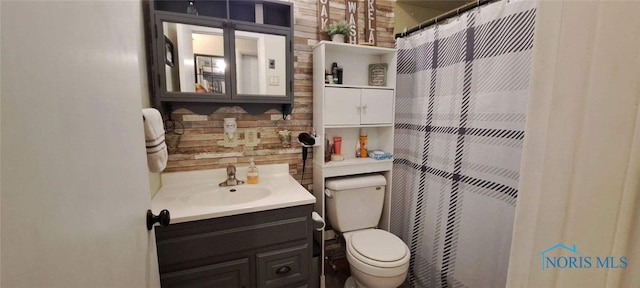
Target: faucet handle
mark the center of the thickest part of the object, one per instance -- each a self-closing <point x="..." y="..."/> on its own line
<point x="231" y="170"/>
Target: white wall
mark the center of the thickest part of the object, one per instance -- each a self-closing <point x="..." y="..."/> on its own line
<point x="208" y="44"/>
<point x="171" y="73"/>
<point x="184" y="61"/>
<point x="268" y="47"/>
<point x="408" y="15"/>
<point x="274" y="47"/>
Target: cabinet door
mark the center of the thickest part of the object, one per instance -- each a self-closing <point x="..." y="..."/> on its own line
<point x="232" y="274"/>
<point x="377" y="106"/>
<point x="341" y="106"/>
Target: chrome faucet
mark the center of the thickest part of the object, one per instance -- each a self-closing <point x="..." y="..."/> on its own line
<point x="231" y="177"/>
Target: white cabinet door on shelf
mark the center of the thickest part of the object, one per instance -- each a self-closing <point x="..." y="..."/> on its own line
<point x="376" y="106"/>
<point x="356" y="106"/>
<point x="341" y="106"/>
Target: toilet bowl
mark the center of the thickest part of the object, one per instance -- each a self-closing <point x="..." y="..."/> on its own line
<point x="377" y="259"/>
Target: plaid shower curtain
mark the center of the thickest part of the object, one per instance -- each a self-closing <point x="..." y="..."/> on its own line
<point x="463" y="88"/>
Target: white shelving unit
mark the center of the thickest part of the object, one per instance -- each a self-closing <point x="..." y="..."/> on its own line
<point x="344" y="109"/>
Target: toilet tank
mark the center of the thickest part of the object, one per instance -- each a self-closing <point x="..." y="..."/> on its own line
<point x="355" y="202"/>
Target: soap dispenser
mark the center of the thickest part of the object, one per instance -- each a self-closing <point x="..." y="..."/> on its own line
<point x="252" y="173"/>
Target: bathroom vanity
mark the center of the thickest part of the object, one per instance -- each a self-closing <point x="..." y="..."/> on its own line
<point x="256" y="236"/>
<point x="260" y="249"/>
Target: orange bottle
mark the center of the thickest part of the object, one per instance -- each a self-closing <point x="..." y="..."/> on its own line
<point x="363" y="144"/>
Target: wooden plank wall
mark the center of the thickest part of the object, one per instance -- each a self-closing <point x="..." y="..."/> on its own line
<point x="201" y="145"/>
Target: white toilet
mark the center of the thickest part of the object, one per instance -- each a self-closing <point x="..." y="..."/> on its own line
<point x="377" y="258"/>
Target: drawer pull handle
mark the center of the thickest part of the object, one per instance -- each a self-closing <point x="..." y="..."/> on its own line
<point x="283" y="270"/>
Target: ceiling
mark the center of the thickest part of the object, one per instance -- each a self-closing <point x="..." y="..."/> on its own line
<point x="441" y="5"/>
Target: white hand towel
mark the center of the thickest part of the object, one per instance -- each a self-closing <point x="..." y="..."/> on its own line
<point x="154" y="138"/>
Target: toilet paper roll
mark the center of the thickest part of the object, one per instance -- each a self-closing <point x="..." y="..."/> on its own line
<point x="318" y="222"/>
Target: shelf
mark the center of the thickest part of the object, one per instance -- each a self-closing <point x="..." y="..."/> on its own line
<point x="338" y="47"/>
<point x="354" y="161"/>
<point x="358" y="126"/>
<point x="357" y="86"/>
<point x="354" y="166"/>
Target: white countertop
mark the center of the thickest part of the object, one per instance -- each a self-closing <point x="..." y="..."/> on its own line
<point x="285" y="192"/>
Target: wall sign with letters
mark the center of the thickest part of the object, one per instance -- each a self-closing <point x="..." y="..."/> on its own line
<point x="370" y="22"/>
<point x="323" y="16"/>
<point x="351" y="16"/>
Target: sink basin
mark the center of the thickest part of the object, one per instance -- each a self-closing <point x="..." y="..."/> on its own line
<point x="195" y="195"/>
<point x="213" y="195"/>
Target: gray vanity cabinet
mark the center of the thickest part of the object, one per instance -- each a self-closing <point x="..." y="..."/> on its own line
<point x="267" y="249"/>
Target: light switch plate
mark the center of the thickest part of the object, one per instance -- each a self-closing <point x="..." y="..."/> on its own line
<point x="251" y="137"/>
<point x="230" y="142"/>
<point x="274" y="81"/>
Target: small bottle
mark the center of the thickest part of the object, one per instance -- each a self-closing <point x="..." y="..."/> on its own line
<point x="327" y="149"/>
<point x="363" y="143"/>
<point x="339" y="75"/>
<point x="334" y="72"/>
<point x="192" y="9"/>
<point x="252" y="173"/>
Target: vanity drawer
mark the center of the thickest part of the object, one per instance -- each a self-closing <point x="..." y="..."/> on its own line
<point x="284" y="267"/>
<point x="231" y="274"/>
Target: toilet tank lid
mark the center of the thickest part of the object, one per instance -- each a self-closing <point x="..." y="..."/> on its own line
<point x="355" y="182"/>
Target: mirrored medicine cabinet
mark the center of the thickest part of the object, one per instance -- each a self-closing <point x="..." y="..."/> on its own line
<point x="232" y="51"/>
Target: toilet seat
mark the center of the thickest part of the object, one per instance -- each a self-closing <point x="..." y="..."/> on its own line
<point x="377" y="248"/>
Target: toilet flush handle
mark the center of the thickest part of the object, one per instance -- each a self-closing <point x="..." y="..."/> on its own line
<point x="328" y="193"/>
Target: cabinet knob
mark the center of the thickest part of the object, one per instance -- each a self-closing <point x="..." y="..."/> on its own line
<point x="163" y="218"/>
<point x="283" y="270"/>
<point x="364" y="106"/>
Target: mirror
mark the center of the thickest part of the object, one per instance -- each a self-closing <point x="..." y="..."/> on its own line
<point x="195" y="61"/>
<point x="260" y="63"/>
<point x="198" y="59"/>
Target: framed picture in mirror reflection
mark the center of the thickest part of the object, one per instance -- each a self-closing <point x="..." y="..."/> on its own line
<point x="209" y="70"/>
<point x="168" y="51"/>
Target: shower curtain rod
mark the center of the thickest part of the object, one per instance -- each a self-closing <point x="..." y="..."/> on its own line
<point x="443" y="16"/>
